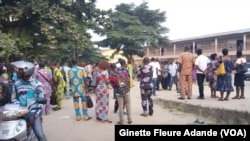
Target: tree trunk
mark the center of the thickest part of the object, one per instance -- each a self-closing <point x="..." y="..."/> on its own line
<point x="7" y="62"/>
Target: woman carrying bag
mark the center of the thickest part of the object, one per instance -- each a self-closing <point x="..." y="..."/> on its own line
<point x="224" y="82"/>
<point x="239" y="77"/>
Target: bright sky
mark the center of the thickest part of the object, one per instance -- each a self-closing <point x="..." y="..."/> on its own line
<point x="191" y="18"/>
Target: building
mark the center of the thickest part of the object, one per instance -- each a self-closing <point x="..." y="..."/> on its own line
<point x="108" y="53"/>
<point x="233" y="40"/>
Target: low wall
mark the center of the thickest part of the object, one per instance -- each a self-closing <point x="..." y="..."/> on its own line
<point x="220" y="116"/>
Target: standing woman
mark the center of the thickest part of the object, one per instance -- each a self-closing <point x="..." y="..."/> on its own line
<point x="59" y="85"/>
<point x="130" y="71"/>
<point x="102" y="92"/>
<point x="239" y="78"/>
<point x="224" y="82"/>
<point x="146" y="86"/>
<point x="45" y="77"/>
<point x="211" y="75"/>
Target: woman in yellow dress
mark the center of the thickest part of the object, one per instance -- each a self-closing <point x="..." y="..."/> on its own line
<point x="130" y="71"/>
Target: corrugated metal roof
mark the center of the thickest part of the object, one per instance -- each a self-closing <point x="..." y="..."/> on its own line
<point x="214" y="35"/>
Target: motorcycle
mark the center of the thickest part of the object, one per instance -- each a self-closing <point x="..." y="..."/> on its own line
<point x="13" y="126"/>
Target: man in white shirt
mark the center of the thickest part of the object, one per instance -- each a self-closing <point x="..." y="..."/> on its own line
<point x="159" y="77"/>
<point x="118" y="64"/>
<point x="173" y="72"/>
<point x="156" y="68"/>
<point x="201" y="64"/>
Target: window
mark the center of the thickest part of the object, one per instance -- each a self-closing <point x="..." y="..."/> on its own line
<point x="239" y="45"/>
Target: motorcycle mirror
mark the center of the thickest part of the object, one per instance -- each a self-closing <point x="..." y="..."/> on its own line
<point x="41" y="100"/>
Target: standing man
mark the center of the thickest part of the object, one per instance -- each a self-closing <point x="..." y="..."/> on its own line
<point x="156" y="68"/>
<point x="159" y="76"/>
<point x="66" y="69"/>
<point x="124" y="99"/>
<point x="201" y="64"/>
<point x="76" y="82"/>
<point x="172" y="73"/>
<point x="186" y="63"/>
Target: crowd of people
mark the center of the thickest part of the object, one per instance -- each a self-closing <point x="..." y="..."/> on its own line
<point x="206" y="70"/>
<point x="197" y="69"/>
<point x="75" y="80"/>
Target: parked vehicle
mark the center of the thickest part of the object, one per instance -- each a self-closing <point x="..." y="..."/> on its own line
<point x="13" y="126"/>
<point x="247" y="74"/>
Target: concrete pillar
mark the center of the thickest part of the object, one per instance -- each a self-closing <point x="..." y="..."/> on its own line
<point x="193" y="47"/>
<point x="216" y="45"/>
<point x="174" y="49"/>
<point x="244" y="42"/>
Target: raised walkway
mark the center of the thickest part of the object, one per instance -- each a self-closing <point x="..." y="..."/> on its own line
<point x="233" y="111"/>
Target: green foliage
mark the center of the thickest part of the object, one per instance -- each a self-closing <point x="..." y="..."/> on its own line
<point x="92" y="55"/>
<point x="45" y="29"/>
<point x="135" y="27"/>
<point x="7" y="45"/>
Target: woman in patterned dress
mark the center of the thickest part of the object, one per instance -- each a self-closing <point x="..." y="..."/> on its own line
<point x="59" y="85"/>
<point x="224" y="82"/>
<point x="102" y="92"/>
<point x="211" y="75"/>
<point x="146" y="86"/>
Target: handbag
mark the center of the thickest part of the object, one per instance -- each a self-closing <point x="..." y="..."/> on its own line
<point x="89" y="102"/>
<point x="242" y="68"/>
<point x="221" y="69"/>
<point x="53" y="98"/>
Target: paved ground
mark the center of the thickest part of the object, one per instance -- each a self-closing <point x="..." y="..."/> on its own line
<point x="68" y="129"/>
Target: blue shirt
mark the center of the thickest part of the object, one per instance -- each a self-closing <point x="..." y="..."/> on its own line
<point x="27" y="92"/>
<point x="76" y="81"/>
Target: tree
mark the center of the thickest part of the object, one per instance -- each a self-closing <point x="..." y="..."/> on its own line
<point x="135" y="27"/>
<point x="38" y="29"/>
<point x="92" y="55"/>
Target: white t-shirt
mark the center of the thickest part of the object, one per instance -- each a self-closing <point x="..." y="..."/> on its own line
<point x="240" y="61"/>
<point x="172" y="69"/>
<point x="155" y="65"/>
<point x="201" y="61"/>
<point x="118" y="65"/>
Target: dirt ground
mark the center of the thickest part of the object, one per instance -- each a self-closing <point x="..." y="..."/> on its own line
<point x="61" y="125"/>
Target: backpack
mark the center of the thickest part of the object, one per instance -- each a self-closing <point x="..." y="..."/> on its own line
<point x="122" y="85"/>
<point x="123" y="82"/>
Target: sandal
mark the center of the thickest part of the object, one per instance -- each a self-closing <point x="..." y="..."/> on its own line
<point x="89" y="118"/>
<point x="144" y="115"/>
<point x="107" y="121"/>
<point x="236" y="97"/>
<point x="221" y="99"/>
<point x="181" y="98"/>
<point x="129" y="122"/>
<point x="226" y="99"/>
<point x="242" y="97"/>
<point x="119" y="123"/>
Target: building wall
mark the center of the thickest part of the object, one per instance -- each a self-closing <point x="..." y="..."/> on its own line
<point x="231" y="41"/>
